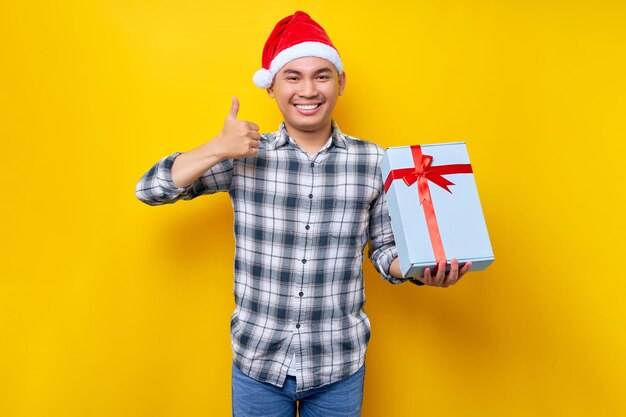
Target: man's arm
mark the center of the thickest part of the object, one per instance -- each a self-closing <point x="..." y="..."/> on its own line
<point x="237" y="139"/>
<point x="205" y="169"/>
<point x="382" y="245"/>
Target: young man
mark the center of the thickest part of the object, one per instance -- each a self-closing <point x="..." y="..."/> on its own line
<point x="306" y="199"/>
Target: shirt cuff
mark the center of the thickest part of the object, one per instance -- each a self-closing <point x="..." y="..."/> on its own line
<point x="164" y="175"/>
<point x="383" y="263"/>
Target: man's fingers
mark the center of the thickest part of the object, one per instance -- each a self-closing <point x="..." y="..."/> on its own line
<point x="234" y="110"/>
<point x="453" y="275"/>
<point x="465" y="268"/>
<point x="253" y="126"/>
<point x="441" y="279"/>
<point x="441" y="271"/>
<point x="427" y="277"/>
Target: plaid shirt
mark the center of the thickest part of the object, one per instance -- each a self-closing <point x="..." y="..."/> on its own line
<point x="301" y="226"/>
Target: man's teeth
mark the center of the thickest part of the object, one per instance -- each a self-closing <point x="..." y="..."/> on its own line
<point x="307" y="106"/>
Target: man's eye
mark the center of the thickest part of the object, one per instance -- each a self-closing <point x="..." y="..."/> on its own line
<point x="323" y="77"/>
<point x="292" y="78"/>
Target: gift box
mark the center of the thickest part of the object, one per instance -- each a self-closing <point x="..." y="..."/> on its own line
<point x="434" y="207"/>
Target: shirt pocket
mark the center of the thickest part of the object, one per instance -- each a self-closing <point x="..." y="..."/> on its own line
<point x="349" y="222"/>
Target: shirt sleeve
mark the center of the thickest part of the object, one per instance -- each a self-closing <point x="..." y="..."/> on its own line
<point x="382" y="245"/>
<point x="156" y="186"/>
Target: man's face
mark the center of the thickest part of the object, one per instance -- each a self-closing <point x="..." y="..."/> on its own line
<point x="306" y="91"/>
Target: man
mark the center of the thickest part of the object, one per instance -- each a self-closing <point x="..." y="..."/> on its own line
<point x="306" y="199"/>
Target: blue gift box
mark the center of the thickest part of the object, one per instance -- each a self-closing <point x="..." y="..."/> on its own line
<point x="448" y="221"/>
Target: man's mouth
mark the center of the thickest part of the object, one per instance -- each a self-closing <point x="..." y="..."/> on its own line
<point x="307" y="107"/>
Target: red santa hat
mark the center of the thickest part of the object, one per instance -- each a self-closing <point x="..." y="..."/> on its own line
<point x="294" y="37"/>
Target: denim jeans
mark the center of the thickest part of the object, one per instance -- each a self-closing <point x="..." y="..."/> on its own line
<point x="252" y="398"/>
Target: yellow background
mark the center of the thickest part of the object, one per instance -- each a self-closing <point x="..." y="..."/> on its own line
<point x="109" y="307"/>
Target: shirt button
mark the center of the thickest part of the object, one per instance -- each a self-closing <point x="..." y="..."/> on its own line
<point x="298" y="326"/>
<point x="312" y="164"/>
<point x="304" y="261"/>
<point x="300" y="293"/>
<point x="310" y="195"/>
<point x="307" y="227"/>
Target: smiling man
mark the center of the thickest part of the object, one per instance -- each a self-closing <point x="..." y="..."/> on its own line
<point x="307" y="199"/>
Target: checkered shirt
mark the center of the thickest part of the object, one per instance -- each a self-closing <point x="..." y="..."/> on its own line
<point x="301" y="226"/>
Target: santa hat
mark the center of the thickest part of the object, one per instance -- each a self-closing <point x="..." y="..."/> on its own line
<point x="294" y="37"/>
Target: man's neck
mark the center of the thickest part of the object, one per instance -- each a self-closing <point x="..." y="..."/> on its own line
<point x="310" y="141"/>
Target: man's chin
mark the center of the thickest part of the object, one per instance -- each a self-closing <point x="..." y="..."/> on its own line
<point x="311" y="127"/>
<point x="308" y="124"/>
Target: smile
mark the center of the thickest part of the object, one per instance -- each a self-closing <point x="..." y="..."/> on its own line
<point x="306" y="107"/>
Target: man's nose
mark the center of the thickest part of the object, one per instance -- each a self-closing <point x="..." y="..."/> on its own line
<point x="309" y="88"/>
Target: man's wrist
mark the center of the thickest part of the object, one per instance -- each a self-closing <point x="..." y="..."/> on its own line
<point x="212" y="152"/>
<point x="394" y="269"/>
<point x="396" y="272"/>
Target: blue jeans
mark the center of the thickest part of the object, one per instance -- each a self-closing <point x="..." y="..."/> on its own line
<point x="252" y="398"/>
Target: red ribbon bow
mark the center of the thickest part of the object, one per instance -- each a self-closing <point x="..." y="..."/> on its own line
<point x="422" y="172"/>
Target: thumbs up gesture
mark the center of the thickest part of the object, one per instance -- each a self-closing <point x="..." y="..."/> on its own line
<point x="238" y="138"/>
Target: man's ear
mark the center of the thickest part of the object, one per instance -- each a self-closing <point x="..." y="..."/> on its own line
<point x="270" y="91"/>
<point x="342" y="82"/>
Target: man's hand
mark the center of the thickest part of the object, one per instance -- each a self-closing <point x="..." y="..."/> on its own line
<point x="441" y="279"/>
<point x="237" y="139"/>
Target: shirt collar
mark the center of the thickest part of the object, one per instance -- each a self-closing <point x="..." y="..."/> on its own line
<point x="337" y="138"/>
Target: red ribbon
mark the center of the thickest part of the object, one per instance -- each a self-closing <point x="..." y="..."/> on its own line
<point x="422" y="172"/>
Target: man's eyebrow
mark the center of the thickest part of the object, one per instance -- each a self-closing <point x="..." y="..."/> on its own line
<point x="319" y="71"/>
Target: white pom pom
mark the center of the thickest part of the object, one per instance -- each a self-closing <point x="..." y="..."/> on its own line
<point x="262" y="78"/>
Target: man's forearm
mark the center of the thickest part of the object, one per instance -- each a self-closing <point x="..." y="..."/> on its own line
<point x="189" y="166"/>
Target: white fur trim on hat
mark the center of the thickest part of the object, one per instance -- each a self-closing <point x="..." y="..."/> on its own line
<point x="263" y="78"/>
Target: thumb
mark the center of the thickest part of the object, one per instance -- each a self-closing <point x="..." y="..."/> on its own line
<point x="234" y="109"/>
